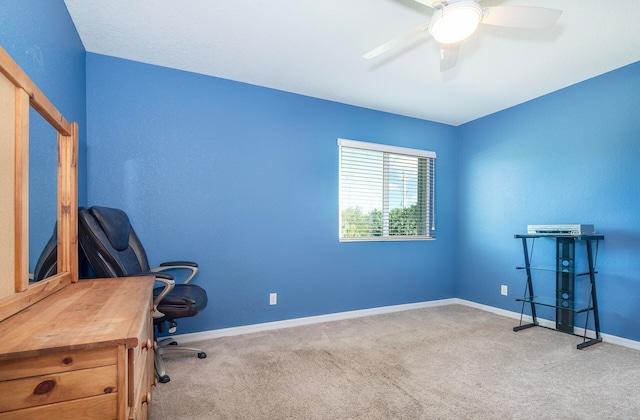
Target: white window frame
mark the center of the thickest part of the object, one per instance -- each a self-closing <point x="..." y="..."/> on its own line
<point x="429" y="190"/>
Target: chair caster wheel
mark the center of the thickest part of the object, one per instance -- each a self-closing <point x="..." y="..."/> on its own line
<point x="202" y="355"/>
<point x="164" y="379"/>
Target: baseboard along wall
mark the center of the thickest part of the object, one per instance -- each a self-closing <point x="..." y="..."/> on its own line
<point x="297" y="322"/>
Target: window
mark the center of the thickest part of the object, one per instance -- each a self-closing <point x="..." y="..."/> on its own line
<point x="386" y="192"/>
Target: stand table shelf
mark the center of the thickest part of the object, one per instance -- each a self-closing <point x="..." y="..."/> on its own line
<point x="566" y="303"/>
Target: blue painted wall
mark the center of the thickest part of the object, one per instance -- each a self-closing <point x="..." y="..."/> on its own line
<point x="42" y="39"/>
<point x="244" y="180"/>
<point x="568" y="157"/>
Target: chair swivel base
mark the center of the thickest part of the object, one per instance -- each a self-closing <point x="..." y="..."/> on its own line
<point x="169" y="346"/>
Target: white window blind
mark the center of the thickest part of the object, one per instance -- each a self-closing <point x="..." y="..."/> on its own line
<point x="386" y="192"/>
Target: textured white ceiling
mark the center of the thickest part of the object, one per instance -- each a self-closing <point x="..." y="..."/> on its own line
<point x="315" y="48"/>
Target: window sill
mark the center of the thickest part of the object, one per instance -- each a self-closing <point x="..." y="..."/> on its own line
<point x="388" y="239"/>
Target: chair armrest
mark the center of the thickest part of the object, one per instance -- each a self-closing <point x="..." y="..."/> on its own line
<point x="173" y="265"/>
<point x="189" y="263"/>
<point x="169" y="283"/>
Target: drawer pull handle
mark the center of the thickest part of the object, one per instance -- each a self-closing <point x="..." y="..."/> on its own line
<point x="147" y="398"/>
<point x="44" y="387"/>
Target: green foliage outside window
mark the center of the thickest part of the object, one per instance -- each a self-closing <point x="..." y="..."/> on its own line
<point x="402" y="222"/>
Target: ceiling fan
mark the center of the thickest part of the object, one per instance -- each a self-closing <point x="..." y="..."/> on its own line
<point x="456" y="20"/>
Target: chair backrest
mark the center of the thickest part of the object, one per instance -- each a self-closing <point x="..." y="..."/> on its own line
<point x="109" y="243"/>
<point x="47" y="264"/>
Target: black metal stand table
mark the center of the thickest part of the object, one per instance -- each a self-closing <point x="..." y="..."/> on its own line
<point x="565" y="301"/>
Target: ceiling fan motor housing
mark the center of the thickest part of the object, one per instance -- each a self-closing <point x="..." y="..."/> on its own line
<point x="455" y="22"/>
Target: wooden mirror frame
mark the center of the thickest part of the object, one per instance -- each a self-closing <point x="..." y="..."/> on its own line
<point x="16" y="293"/>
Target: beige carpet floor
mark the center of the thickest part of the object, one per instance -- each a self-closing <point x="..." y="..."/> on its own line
<point x="448" y="362"/>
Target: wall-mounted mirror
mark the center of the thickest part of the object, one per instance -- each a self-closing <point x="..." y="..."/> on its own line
<point x="43" y="185"/>
<point x="20" y="100"/>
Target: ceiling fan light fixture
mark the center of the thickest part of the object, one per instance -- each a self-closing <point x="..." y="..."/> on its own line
<point x="455" y="22"/>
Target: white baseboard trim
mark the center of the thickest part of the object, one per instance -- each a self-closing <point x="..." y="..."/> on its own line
<point x="297" y="322"/>
<point x="620" y="341"/>
<point x="608" y="338"/>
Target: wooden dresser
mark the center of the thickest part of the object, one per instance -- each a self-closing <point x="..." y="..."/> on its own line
<point x="69" y="349"/>
<point x="84" y="352"/>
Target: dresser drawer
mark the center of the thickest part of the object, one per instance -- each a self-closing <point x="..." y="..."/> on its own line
<point x="100" y="407"/>
<point x="139" y="360"/>
<point x="143" y="399"/>
<point x="57" y="363"/>
<point x="57" y="387"/>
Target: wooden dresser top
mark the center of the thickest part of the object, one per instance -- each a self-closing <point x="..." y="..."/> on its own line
<point x="83" y="315"/>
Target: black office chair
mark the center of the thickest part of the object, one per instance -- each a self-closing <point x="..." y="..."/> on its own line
<point x="47" y="264"/>
<point x="113" y="249"/>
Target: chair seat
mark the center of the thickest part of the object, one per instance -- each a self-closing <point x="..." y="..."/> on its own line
<point x="184" y="300"/>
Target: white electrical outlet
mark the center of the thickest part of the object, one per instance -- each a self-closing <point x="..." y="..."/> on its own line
<point x="273" y="298"/>
<point x="503" y="290"/>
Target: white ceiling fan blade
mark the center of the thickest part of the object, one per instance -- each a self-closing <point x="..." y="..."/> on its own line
<point x="449" y="56"/>
<point x="520" y="16"/>
<point x="388" y="45"/>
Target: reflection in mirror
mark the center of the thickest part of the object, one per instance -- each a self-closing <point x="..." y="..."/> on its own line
<point x="43" y="166"/>
<point x="17" y="94"/>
